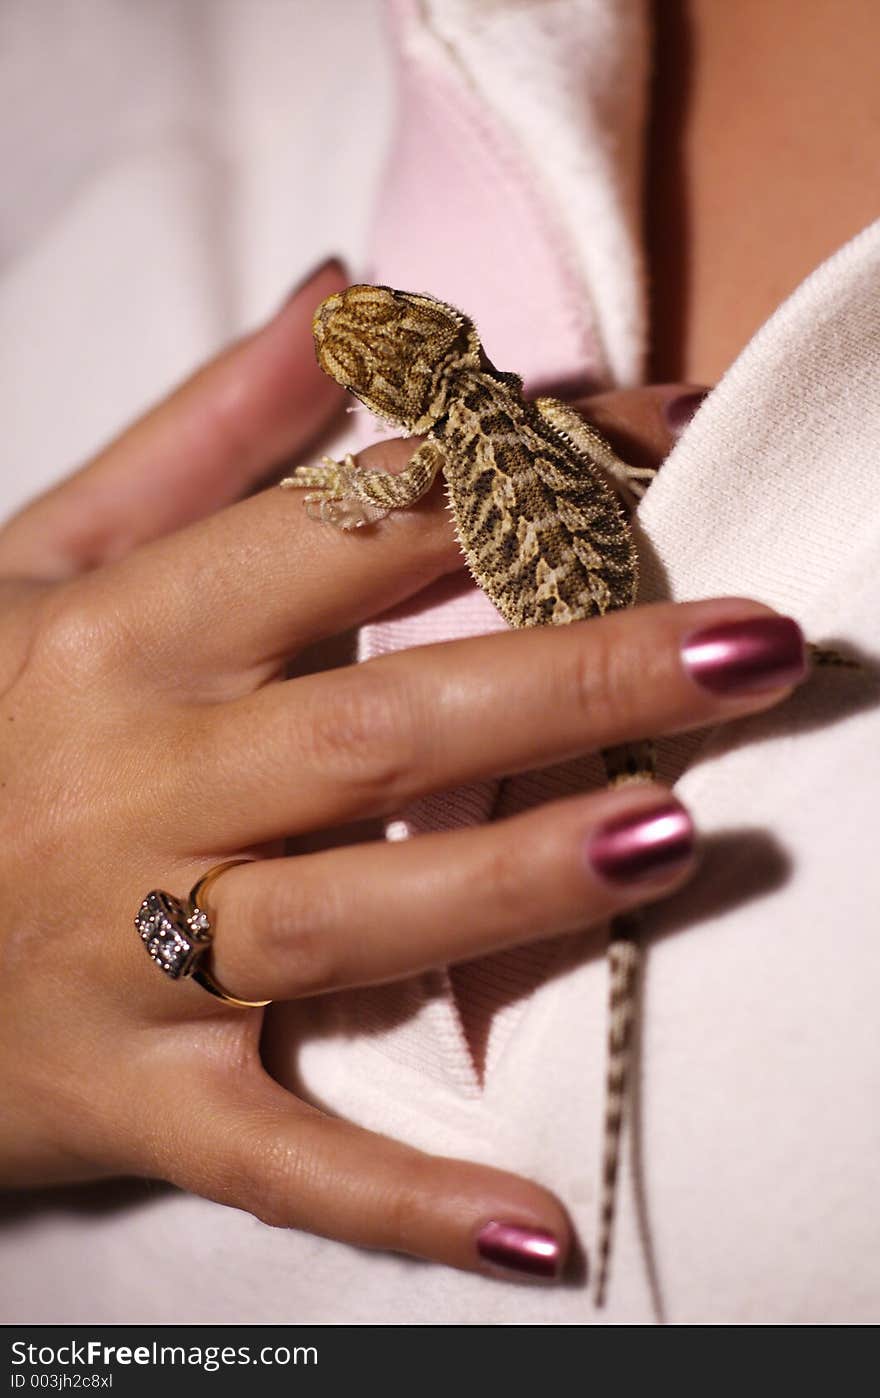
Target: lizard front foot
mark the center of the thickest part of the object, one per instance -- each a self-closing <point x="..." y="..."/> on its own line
<point x="344" y="494"/>
<point x="333" y="496"/>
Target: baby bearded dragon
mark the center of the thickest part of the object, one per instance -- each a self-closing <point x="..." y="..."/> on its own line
<point x="542" y="530"/>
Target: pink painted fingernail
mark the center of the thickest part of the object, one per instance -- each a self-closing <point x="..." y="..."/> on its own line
<point x="746" y="657"/>
<point x="643" y="846"/>
<point x="520" y="1249"/>
<point x="679" y="411"/>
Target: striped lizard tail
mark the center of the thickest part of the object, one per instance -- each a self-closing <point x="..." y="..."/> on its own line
<point x="632" y="762"/>
<point x="624" y="957"/>
<point x="627" y="763"/>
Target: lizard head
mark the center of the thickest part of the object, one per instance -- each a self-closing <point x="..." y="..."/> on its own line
<point x="398" y="352"/>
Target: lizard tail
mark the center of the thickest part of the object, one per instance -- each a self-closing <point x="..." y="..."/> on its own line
<point x="629" y="762"/>
<point x="823" y="655"/>
<point x="624" y="957"/>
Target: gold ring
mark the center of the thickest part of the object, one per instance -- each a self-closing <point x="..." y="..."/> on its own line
<point x="178" y="936"/>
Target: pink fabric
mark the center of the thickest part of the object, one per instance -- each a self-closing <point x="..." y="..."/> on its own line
<point x="460" y="217"/>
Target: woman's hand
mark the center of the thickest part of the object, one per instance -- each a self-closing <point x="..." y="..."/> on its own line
<point x="143" y="739"/>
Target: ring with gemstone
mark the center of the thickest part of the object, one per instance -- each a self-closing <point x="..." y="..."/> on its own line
<point x="178" y="935"/>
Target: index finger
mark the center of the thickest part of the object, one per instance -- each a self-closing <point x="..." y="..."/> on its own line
<point x="262" y="580"/>
<point x="223" y="603"/>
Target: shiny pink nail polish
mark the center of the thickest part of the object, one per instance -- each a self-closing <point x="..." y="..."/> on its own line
<point x="520" y="1249"/>
<point x="679" y="411"/>
<point x="644" y="845"/>
<point x="745" y="657"/>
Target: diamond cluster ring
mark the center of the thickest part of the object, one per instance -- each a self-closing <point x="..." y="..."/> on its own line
<point x="178" y="935"/>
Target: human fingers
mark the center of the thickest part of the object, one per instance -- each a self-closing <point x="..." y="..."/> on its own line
<point x="363" y="914"/>
<point x="255" y="583"/>
<point x="244" y="1141"/>
<point x="258" y="402"/>
<point x="261" y="580"/>
<point x="223" y="603"/>
<point x="363" y="741"/>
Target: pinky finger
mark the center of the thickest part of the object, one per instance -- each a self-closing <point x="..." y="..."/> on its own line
<point x="293" y="1167"/>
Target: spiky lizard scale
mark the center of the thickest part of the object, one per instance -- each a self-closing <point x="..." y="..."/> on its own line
<point x="544" y="537"/>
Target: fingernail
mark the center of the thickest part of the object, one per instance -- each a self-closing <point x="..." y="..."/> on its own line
<point x="746" y="657"/>
<point x="316" y="271"/>
<point x="644" y="845"/>
<point x="530" y="1250"/>
<point x="679" y="411"/>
